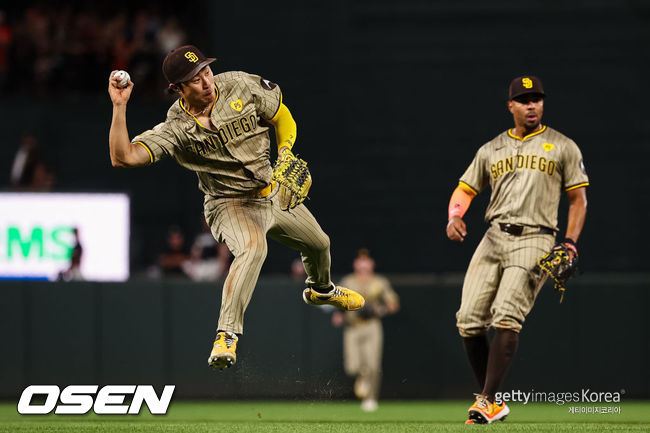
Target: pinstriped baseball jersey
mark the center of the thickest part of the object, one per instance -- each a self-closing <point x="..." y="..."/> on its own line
<point x="377" y="292"/>
<point x="527" y="176"/>
<point x="231" y="156"/>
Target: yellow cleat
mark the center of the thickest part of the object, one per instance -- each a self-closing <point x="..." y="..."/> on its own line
<point x="484" y="412"/>
<point x="223" y="350"/>
<point x="339" y="297"/>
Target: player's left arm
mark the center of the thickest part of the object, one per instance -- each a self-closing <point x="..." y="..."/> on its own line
<point x="267" y="98"/>
<point x="392" y="305"/>
<point x="285" y="127"/>
<point x="575" y="183"/>
<point x="577" y="213"/>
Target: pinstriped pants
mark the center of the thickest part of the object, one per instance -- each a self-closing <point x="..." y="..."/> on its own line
<point x="362" y="350"/>
<point x="502" y="281"/>
<point x="243" y="224"/>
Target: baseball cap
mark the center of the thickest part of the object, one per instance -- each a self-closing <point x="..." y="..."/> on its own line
<point x="183" y="63"/>
<point x="363" y="252"/>
<point x="524" y="85"/>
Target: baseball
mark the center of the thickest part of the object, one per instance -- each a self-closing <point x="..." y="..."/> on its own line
<point x="123" y="76"/>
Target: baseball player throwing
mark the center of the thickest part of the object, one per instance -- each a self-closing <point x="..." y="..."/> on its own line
<point x="218" y="129"/>
<point x="527" y="167"/>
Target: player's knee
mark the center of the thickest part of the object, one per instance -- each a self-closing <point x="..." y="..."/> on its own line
<point x="507" y="320"/>
<point x="255" y="252"/>
<point x="468" y="329"/>
<point x="511" y="324"/>
<point x="468" y="325"/>
<point x="323" y="243"/>
<point x="319" y="244"/>
<point x="467" y="332"/>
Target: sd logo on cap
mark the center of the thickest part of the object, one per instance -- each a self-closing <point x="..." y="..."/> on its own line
<point x="183" y="63"/>
<point x="524" y="85"/>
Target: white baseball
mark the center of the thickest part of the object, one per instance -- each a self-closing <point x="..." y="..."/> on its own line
<point x="123" y="76"/>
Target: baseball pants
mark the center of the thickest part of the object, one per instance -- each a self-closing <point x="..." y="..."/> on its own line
<point x="362" y="351"/>
<point x="243" y="224"/>
<point x="502" y="281"/>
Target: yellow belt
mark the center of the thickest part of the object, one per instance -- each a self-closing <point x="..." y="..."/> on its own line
<point x="255" y="193"/>
<point x="264" y="192"/>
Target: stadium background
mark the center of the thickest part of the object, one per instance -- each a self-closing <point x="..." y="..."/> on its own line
<point x="391" y="100"/>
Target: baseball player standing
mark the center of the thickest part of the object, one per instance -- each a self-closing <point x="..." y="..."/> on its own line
<point x="363" y="336"/>
<point x="527" y="167"/>
<point x="218" y="128"/>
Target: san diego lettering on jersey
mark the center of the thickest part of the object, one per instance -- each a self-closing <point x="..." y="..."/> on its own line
<point x="223" y="135"/>
<point x="518" y="162"/>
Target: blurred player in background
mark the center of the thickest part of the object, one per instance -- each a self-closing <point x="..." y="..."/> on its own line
<point x="363" y="335"/>
<point x="219" y="128"/>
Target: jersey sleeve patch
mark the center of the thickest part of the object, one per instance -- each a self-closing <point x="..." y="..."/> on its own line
<point x="267" y="95"/>
<point x="267" y="85"/>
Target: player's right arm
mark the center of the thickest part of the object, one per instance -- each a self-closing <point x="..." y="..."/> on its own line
<point x="123" y="153"/>
<point x="471" y="183"/>
<point x="458" y="205"/>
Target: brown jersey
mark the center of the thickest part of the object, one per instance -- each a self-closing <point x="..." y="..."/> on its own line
<point x="233" y="158"/>
<point x="527" y="176"/>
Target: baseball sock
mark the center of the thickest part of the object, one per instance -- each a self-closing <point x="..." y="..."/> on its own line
<point x="477" y="349"/>
<point x="324" y="291"/>
<point x="502" y="350"/>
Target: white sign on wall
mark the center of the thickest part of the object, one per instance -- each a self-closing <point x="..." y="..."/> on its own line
<point x="37" y="235"/>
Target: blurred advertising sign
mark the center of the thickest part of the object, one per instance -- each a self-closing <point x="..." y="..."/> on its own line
<point x="37" y="236"/>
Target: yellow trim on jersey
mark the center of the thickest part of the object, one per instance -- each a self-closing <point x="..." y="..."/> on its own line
<point x="580" y="185"/>
<point x="468" y="189"/>
<point x="180" y="101"/>
<point x="528" y="136"/>
<point x="213" y="105"/>
<point x="216" y="89"/>
<point x="148" y="150"/>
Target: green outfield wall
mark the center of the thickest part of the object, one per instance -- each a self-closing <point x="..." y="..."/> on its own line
<point x="161" y="333"/>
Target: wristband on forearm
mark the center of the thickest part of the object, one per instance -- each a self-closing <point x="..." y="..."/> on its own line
<point x="459" y="202"/>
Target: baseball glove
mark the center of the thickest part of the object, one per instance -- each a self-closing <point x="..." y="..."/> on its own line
<point x="559" y="266"/>
<point x="293" y="178"/>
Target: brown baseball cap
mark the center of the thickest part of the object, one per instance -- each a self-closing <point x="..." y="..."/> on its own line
<point x="183" y="63"/>
<point x="524" y="85"/>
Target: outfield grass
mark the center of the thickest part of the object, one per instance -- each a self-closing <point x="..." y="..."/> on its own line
<point x="335" y="417"/>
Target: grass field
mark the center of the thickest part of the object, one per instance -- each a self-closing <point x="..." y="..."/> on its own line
<point x="285" y="417"/>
